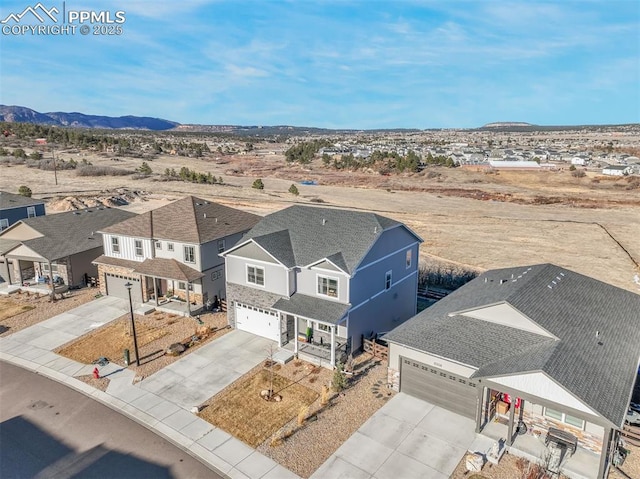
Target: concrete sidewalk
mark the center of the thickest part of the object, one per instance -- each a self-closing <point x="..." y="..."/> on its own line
<point x="163" y="401"/>
<point x="407" y="437"/>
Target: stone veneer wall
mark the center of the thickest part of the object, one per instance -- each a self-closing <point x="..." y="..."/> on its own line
<point x="252" y="296"/>
<point x="64" y="270"/>
<point x="117" y="270"/>
<point x="538" y="422"/>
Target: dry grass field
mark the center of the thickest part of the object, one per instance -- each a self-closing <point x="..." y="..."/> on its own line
<point x="10" y="308"/>
<point x="589" y="224"/>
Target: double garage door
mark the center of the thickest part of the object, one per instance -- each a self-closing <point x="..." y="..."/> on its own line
<point x="258" y="321"/>
<point x="439" y="387"/>
<point x="116" y="287"/>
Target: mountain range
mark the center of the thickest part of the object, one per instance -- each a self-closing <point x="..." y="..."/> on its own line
<point x="21" y="114"/>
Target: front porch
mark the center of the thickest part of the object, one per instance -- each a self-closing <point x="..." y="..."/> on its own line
<point x="583" y="464"/>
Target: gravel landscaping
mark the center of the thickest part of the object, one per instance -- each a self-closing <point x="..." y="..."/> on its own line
<point x="42" y="308"/>
<point x="155" y="332"/>
<point x="302" y="449"/>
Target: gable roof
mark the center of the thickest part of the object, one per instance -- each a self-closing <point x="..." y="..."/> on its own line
<point x="71" y="232"/>
<point x="188" y="220"/>
<point x="301" y="235"/>
<point x="595" y="356"/>
<point x="10" y="200"/>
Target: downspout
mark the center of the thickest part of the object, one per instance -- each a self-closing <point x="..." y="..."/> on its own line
<point x="53" y="294"/>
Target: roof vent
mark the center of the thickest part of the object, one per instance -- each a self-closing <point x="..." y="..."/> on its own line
<point x="324" y="221"/>
<point x="216" y="220"/>
<point x="502" y="281"/>
<point x="375" y="230"/>
<point x="76" y="212"/>
<point x="205" y="215"/>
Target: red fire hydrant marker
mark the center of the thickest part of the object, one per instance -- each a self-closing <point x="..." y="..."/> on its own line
<point x="96" y="373"/>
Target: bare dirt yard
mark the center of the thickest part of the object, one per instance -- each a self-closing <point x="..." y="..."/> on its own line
<point x="311" y="422"/>
<point x="155" y="333"/>
<point x="23" y="309"/>
<point x="589" y="224"/>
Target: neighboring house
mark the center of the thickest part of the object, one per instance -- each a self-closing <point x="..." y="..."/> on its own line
<point x="566" y="345"/>
<point x="319" y="279"/>
<point x="14" y="208"/>
<point x="617" y="170"/>
<point x="577" y="160"/>
<point x="172" y="251"/>
<point x="59" y="247"/>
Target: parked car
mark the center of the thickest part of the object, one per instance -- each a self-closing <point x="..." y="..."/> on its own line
<point x="633" y="417"/>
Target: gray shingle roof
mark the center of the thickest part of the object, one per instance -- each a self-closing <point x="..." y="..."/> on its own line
<point x="312" y="308"/>
<point x="65" y="234"/>
<point x="10" y="200"/>
<point x="315" y="233"/>
<point x="599" y="370"/>
<point x="188" y="220"/>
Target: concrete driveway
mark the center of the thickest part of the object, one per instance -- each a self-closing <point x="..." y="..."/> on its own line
<point x="406" y="438"/>
<point x="203" y="373"/>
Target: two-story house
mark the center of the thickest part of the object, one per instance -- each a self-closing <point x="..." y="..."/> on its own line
<point x="14" y="208"/>
<point x="319" y="279"/>
<point x="172" y="252"/>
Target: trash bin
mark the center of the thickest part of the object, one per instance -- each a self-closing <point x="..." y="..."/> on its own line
<point x="127" y="359"/>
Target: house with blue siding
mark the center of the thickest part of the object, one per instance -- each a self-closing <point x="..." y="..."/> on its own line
<point x="318" y="280"/>
<point x="14" y="208"/>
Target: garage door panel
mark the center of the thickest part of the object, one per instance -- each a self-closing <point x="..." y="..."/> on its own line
<point x="116" y="287"/>
<point x="439" y="387"/>
<point x="258" y="321"/>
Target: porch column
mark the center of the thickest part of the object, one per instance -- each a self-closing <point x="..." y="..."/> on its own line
<point x="604" y="454"/>
<point x="188" y="303"/>
<point x="333" y="345"/>
<point x="480" y="407"/>
<point x="53" y="294"/>
<point x="20" y="272"/>
<point x="295" y="335"/>
<point x="512" y="414"/>
<point x="155" y="289"/>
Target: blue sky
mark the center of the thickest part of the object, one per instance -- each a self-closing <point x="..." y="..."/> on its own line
<point x="347" y="64"/>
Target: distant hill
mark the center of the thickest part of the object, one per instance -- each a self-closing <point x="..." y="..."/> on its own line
<point x="507" y="124"/>
<point x="21" y="114"/>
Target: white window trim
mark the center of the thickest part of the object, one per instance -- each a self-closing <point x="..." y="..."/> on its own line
<point x="31" y="211"/>
<point x="4" y="224"/>
<point x="159" y="245"/>
<point x="564" y="416"/>
<point x="255" y="267"/>
<point x="388" y="277"/>
<point x="224" y="247"/>
<point x="184" y="254"/>
<point x="337" y="280"/>
<point x="169" y="246"/>
<point x="115" y="245"/>
<point x="135" y="247"/>
<point x="408" y="255"/>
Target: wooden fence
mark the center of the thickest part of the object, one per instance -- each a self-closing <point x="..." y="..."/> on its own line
<point x="631" y="434"/>
<point x="376" y="349"/>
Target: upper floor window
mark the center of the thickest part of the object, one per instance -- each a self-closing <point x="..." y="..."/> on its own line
<point x="255" y="275"/>
<point x="387" y="280"/>
<point x="189" y="254"/>
<point x="158" y="244"/>
<point x="408" y="258"/>
<point x="31" y="211"/>
<point x="115" y="244"/>
<point x="138" y="244"/>
<point x="220" y="246"/>
<point x="169" y="246"/>
<point x="328" y="286"/>
<point x="4" y="224"/>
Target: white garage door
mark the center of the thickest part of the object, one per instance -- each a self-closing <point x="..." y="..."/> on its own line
<point x="116" y="287"/>
<point x="258" y="321"/>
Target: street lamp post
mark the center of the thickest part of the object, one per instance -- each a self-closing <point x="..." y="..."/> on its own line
<point x="128" y="285"/>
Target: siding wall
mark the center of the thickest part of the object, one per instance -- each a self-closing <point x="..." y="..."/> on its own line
<point x="127" y="248"/>
<point x="275" y="275"/>
<point x="16" y="214"/>
<point x="307" y="283"/>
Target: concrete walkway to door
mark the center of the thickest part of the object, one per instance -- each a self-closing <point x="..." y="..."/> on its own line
<point x="407" y="437"/>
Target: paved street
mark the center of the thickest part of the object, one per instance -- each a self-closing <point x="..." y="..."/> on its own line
<point x="50" y="430"/>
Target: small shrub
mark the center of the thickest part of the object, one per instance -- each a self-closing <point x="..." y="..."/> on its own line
<point x="293" y="189"/>
<point x="578" y="173"/>
<point x="276" y="439"/>
<point x="145" y="169"/>
<point x="25" y="191"/>
<point x="324" y="397"/>
<point x="572" y="168"/>
<point x="339" y="380"/>
<point x="258" y="184"/>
